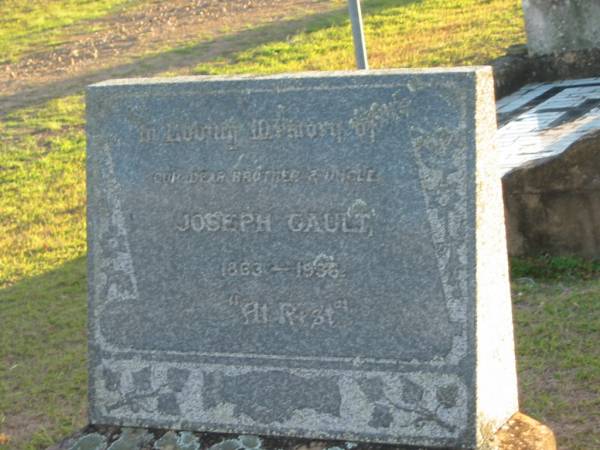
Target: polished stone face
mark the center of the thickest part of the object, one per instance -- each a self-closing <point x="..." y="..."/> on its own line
<point x="291" y="255"/>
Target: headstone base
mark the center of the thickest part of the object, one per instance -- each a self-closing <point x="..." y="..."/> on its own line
<point x="519" y="433"/>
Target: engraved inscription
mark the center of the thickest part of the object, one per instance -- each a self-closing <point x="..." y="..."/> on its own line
<point x="347" y="175"/>
<point x="147" y="135"/>
<point x="330" y="175"/>
<point x="194" y="177"/>
<point x="329" y="223"/>
<point x="197" y="132"/>
<point x="347" y="222"/>
<point x="262" y="129"/>
<point x="265" y="176"/>
<point x="294" y="315"/>
<point x="218" y="221"/>
<point x="320" y="267"/>
<point x="243" y="269"/>
<point x="362" y="125"/>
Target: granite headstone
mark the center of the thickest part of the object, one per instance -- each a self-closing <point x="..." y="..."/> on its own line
<point x="314" y="255"/>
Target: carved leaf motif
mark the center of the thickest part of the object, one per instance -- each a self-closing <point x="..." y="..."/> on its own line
<point x="177" y="378"/>
<point x="142" y="379"/>
<point x="412" y="392"/>
<point x="381" y="417"/>
<point x="112" y="380"/>
<point x="111" y="244"/>
<point x="373" y="388"/>
<point x="447" y="395"/>
<point x="168" y="404"/>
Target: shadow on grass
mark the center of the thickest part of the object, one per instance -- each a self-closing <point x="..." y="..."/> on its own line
<point x="555" y="268"/>
<point x="43" y="368"/>
<point x="188" y="57"/>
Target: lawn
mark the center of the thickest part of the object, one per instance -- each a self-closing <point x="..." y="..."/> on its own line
<point x="42" y="216"/>
<point x="399" y="33"/>
<point x="34" y="25"/>
<point x="557" y="325"/>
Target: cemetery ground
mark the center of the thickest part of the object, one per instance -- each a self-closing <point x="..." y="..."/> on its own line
<point x="58" y="47"/>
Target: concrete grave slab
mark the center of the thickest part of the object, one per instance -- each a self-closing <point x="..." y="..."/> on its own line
<point x="549" y="144"/>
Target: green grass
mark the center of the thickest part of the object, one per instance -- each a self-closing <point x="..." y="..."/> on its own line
<point x="42" y="223"/>
<point x="42" y="189"/>
<point x="399" y="33"/>
<point x="27" y="25"/>
<point x="42" y="308"/>
<point x="557" y="325"/>
<point x="43" y="376"/>
<point x="42" y="273"/>
<point x="558" y="268"/>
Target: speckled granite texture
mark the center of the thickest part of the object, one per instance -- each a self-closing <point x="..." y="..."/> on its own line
<point x="313" y="255"/>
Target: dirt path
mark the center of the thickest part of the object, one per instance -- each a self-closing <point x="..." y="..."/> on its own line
<point x="139" y="42"/>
